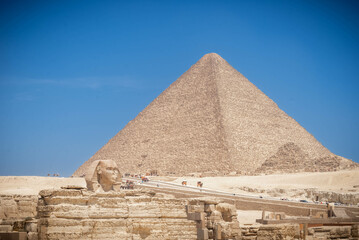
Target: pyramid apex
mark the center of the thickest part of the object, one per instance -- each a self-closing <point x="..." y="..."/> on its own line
<point x="212" y="55"/>
<point x="212" y="58"/>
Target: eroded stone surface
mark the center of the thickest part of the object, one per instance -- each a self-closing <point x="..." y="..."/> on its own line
<point x="17" y="206"/>
<point x="80" y="214"/>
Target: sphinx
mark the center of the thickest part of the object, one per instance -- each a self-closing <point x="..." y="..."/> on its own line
<point x="103" y="176"/>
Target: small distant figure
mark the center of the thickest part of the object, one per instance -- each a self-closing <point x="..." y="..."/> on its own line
<point x="199" y="184"/>
<point x="184" y="183"/>
<point x="129" y="185"/>
<point x="48" y="175"/>
<point x="144" y="179"/>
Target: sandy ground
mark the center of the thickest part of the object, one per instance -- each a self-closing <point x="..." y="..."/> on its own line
<point x="248" y="217"/>
<point x="341" y="182"/>
<point x="31" y="185"/>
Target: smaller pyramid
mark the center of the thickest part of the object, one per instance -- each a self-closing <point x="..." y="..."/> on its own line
<point x="290" y="158"/>
<point x="214" y="121"/>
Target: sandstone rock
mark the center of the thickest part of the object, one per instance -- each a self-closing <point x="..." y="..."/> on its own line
<point x="17" y="206"/>
<point x="113" y="215"/>
<point x="282" y="231"/>
<point x="227" y="210"/>
<point x="6" y="228"/>
<point x="32" y="236"/>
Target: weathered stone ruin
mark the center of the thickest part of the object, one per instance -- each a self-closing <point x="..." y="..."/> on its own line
<point x="76" y="213"/>
<point x="17" y="206"/>
<point x="298" y="232"/>
<point x="80" y="214"/>
<point x="18" y="217"/>
<point x="213" y="121"/>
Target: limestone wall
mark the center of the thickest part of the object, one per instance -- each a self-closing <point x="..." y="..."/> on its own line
<point x="346" y="198"/>
<point x="17" y="206"/>
<point x="79" y="214"/>
<point x="297" y="231"/>
<point x="138" y="214"/>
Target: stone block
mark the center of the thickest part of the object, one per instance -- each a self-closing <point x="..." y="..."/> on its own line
<point x="6" y="228"/>
<point x="209" y="207"/>
<point x="202" y="234"/>
<point x="32" y="236"/>
<point x="72" y="215"/>
<point x="209" y="224"/>
<point x="217" y="231"/>
<point x="112" y="202"/>
<point x="167" y="213"/>
<point x="195" y="208"/>
<point x="227" y="210"/>
<point x="321" y="214"/>
<point x="234" y="226"/>
<point x="76" y="200"/>
<point x="215" y="216"/>
<point x="31" y="226"/>
<point x="144" y="210"/>
<point x="210" y="234"/>
<point x="204" y="200"/>
<point x="201" y="224"/>
<point x="355" y="231"/>
<point x="14" y="236"/>
<point x="197" y="216"/>
<point x="340" y="232"/>
<point x="138" y="199"/>
<point x="19" y="226"/>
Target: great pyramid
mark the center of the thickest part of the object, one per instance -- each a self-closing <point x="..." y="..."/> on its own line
<point x="213" y="121"/>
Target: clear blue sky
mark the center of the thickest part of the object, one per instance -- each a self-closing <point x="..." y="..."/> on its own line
<point x="74" y="73"/>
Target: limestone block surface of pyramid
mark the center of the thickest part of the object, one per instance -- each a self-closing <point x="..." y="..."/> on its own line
<point x="213" y="121"/>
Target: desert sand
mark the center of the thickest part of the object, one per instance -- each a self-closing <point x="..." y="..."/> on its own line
<point x="283" y="185"/>
<point x="31" y="185"/>
<point x="341" y="181"/>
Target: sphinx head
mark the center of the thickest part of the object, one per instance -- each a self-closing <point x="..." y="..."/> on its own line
<point x="103" y="175"/>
